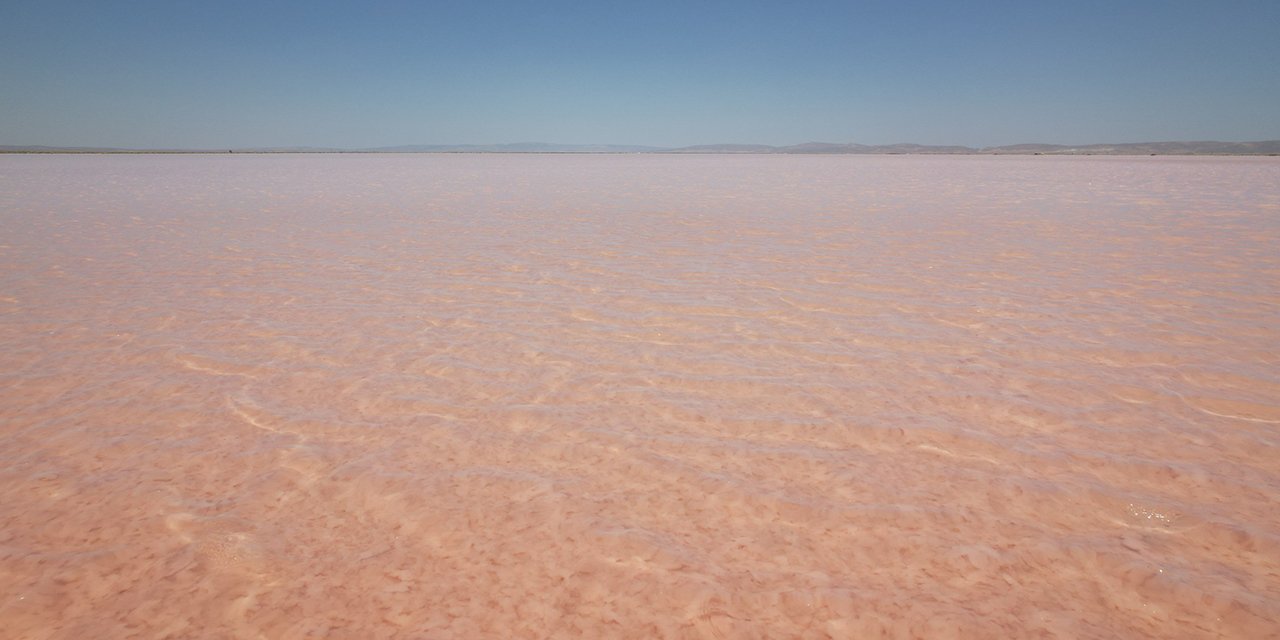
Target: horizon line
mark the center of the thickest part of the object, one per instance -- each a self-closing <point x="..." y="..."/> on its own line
<point x="1173" y="147"/>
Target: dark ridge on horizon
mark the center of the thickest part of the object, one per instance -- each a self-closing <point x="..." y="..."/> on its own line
<point x="1264" y="147"/>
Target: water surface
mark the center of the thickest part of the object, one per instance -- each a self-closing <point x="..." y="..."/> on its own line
<point x="455" y="396"/>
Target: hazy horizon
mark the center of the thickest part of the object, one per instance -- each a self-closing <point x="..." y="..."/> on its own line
<point x="539" y="146"/>
<point x="238" y="75"/>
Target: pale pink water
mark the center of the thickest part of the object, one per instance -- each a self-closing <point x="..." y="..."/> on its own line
<point x="417" y="396"/>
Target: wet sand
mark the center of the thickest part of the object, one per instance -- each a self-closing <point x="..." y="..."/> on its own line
<point x="449" y="396"/>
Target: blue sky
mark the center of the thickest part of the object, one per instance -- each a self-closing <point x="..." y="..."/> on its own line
<point x="363" y="74"/>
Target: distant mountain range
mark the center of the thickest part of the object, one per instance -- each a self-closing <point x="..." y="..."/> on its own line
<point x="1268" y="147"/>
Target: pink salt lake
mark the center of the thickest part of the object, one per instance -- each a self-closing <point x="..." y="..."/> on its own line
<point x="639" y="396"/>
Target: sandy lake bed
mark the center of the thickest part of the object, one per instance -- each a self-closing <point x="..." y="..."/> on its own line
<point x="597" y="396"/>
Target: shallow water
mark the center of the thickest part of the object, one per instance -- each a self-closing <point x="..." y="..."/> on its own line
<point x="439" y="396"/>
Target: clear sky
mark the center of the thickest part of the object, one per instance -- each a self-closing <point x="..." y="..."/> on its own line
<point x="231" y="73"/>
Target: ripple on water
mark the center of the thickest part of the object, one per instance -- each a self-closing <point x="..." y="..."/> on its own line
<point x="639" y="396"/>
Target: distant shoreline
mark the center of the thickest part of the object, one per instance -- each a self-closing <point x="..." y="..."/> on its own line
<point x="1201" y="148"/>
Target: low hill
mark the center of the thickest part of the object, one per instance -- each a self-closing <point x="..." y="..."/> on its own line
<point x="1268" y="147"/>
